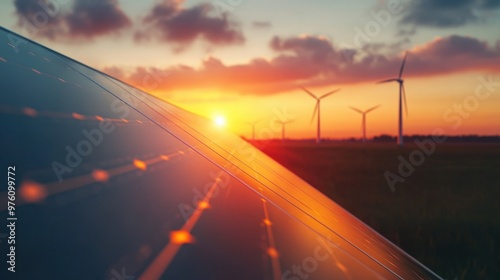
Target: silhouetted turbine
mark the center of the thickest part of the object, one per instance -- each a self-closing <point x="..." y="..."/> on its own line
<point x="283" y="124"/>
<point x="363" y="122"/>
<point x="253" y="127"/>
<point x="402" y="97"/>
<point x="317" y="110"/>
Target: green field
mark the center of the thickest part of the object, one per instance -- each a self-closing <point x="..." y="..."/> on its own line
<point x="446" y="213"/>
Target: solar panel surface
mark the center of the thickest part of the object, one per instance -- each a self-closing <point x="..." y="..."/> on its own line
<point x="113" y="183"/>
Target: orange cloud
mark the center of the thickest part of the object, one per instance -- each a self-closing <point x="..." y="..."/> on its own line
<point x="315" y="61"/>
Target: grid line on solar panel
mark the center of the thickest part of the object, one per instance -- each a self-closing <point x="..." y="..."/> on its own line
<point x="165" y="257"/>
<point x="39" y="72"/>
<point x="272" y="250"/>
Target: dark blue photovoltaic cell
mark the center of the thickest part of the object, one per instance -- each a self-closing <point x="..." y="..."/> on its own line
<point x="113" y="183"/>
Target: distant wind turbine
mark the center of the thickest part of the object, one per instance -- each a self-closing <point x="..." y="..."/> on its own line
<point x="317" y="109"/>
<point x="363" y="122"/>
<point x="253" y="128"/>
<point x="402" y="98"/>
<point x="283" y="124"/>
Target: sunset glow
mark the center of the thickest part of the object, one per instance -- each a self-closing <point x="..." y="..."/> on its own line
<point x="251" y="66"/>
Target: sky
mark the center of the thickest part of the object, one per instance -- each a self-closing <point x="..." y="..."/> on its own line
<point x="246" y="60"/>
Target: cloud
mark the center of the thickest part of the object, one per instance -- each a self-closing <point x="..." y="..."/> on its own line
<point x="86" y="19"/>
<point x="315" y="61"/>
<point x="96" y="17"/>
<point x="41" y="18"/>
<point x="171" y="22"/>
<point x="447" y="13"/>
<point x="315" y="48"/>
<point x="455" y="54"/>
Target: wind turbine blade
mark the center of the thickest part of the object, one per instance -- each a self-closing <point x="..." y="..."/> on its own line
<point x="402" y="66"/>
<point x="404" y="100"/>
<point x="330" y="93"/>
<point x="372" y="108"/>
<point x="357" y="110"/>
<point x="308" y="92"/>
<point x="315" y="111"/>
<point x="387" y="81"/>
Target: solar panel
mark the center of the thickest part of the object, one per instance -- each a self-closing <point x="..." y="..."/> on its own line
<point x="113" y="183"/>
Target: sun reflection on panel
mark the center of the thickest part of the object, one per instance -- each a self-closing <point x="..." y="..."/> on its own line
<point x="181" y="237"/>
<point x="100" y="175"/>
<point x="32" y="192"/>
<point x="30" y="112"/>
<point x="78" y="116"/>
<point x="139" y="164"/>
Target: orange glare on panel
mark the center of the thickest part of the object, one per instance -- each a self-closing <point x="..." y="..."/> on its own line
<point x="32" y="192"/>
<point x="203" y="205"/>
<point x="100" y="175"/>
<point x="30" y="112"/>
<point x="341" y="267"/>
<point x="99" y="118"/>
<point x="267" y="222"/>
<point x="139" y="164"/>
<point x="272" y="252"/>
<point x="78" y="116"/>
<point x="181" y="237"/>
<point x="164" y="157"/>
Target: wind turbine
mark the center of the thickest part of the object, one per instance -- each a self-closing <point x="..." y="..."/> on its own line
<point x="363" y="122"/>
<point x="317" y="109"/>
<point x="253" y="128"/>
<point x="402" y="98"/>
<point x="283" y="124"/>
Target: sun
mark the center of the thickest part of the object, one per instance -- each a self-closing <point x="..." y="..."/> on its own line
<point x="220" y="121"/>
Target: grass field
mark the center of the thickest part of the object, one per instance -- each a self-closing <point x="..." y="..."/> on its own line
<point x="446" y="213"/>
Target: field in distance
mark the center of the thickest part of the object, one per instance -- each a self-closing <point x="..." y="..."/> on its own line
<point x="445" y="213"/>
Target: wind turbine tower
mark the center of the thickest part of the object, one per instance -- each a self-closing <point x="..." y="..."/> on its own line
<point x="253" y="124"/>
<point x="363" y="121"/>
<point x="402" y="98"/>
<point x="283" y="124"/>
<point x="317" y="110"/>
